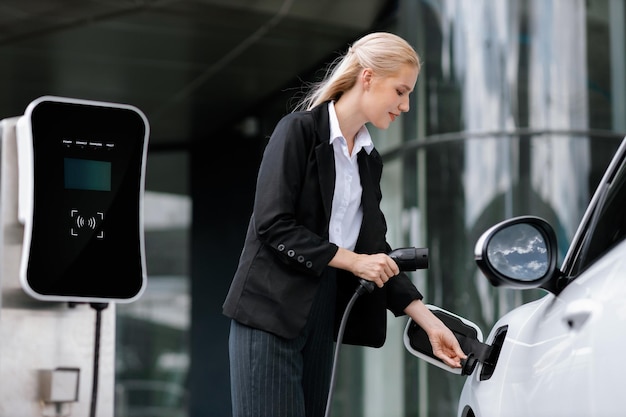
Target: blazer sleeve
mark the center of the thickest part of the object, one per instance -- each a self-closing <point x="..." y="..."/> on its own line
<point x="400" y="293"/>
<point x="289" y="215"/>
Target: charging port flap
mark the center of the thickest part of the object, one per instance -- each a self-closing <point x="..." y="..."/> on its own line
<point x="469" y="335"/>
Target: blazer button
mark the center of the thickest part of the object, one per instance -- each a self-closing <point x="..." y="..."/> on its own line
<point x="300" y="258"/>
<point x="291" y="253"/>
<point x="281" y="247"/>
<point x="309" y="264"/>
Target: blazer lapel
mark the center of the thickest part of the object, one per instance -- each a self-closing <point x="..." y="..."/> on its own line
<point x="368" y="197"/>
<point x="326" y="173"/>
<point x="325" y="157"/>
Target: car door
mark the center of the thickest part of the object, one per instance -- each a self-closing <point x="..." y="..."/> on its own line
<point x="557" y="364"/>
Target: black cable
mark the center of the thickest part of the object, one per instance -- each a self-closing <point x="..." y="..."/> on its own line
<point x="96" y="356"/>
<point x="365" y="286"/>
<point x="407" y="259"/>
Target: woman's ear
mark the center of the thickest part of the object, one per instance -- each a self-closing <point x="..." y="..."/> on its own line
<point x="366" y="78"/>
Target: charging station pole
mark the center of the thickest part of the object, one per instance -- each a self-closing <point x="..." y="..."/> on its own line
<point x="46" y="349"/>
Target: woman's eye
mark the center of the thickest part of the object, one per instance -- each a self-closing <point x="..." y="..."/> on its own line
<point x="400" y="93"/>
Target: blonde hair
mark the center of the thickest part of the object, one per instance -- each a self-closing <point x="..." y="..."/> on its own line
<point x="385" y="53"/>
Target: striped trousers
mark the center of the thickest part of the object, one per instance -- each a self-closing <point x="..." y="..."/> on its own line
<point x="276" y="377"/>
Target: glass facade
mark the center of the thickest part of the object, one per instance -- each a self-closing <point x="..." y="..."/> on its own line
<point x="518" y="109"/>
<point x="152" y="343"/>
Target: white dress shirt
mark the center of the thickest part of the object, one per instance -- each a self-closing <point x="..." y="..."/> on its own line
<point x="346" y="214"/>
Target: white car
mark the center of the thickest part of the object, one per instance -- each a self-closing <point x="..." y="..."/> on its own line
<point x="560" y="355"/>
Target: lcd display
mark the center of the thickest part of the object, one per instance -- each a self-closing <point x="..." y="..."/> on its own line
<point x="87" y="174"/>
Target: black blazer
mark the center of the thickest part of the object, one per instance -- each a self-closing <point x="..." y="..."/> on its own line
<point x="286" y="249"/>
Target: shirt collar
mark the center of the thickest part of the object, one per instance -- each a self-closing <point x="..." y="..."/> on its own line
<point x="363" y="139"/>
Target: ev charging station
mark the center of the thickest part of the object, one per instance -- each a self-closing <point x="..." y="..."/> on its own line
<point x="72" y="178"/>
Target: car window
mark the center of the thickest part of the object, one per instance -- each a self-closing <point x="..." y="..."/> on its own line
<point x="608" y="225"/>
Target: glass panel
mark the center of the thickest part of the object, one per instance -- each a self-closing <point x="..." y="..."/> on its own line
<point x="152" y="348"/>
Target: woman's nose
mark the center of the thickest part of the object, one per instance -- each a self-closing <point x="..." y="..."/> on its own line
<point x="404" y="105"/>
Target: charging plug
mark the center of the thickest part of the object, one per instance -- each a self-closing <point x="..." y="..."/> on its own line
<point x="410" y="259"/>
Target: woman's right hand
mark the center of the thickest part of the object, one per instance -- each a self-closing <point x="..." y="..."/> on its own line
<point x="378" y="268"/>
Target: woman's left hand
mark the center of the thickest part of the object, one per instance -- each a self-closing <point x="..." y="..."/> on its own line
<point x="445" y="345"/>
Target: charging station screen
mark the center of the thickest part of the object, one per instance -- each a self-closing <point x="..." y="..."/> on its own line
<point x="86" y="174"/>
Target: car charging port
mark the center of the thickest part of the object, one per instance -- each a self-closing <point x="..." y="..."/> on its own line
<point x="489" y="364"/>
<point x="479" y="352"/>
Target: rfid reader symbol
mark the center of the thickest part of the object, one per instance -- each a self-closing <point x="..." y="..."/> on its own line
<point x="81" y="222"/>
<point x="91" y="222"/>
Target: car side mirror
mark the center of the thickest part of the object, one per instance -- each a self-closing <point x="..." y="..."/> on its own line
<point x="518" y="253"/>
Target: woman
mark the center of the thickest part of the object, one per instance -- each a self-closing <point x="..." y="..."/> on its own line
<point x="316" y="228"/>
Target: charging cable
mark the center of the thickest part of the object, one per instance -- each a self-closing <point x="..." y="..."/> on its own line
<point x="407" y="259"/>
<point x="364" y="287"/>
<point x="96" y="356"/>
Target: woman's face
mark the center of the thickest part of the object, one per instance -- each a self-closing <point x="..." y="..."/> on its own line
<point x="386" y="97"/>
